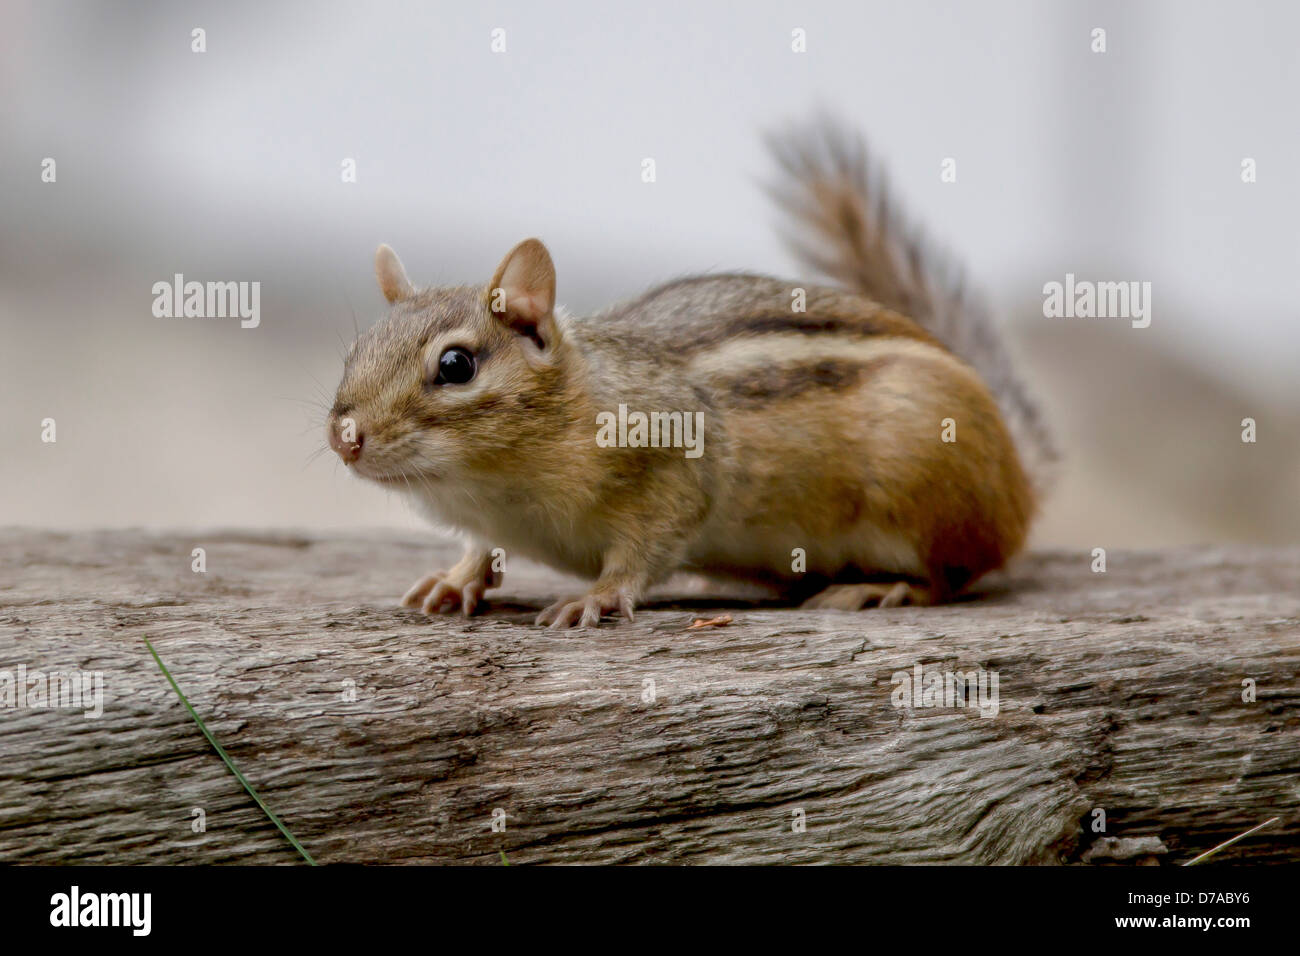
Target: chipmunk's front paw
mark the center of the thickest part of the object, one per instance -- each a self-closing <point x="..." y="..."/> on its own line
<point x="446" y="591"/>
<point x="586" y="611"/>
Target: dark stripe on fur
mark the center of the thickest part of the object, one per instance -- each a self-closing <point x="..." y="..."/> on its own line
<point x="781" y="382"/>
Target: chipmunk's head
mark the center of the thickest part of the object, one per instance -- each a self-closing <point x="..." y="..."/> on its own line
<point x="456" y="383"/>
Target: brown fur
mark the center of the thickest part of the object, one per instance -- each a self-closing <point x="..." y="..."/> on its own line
<point x="821" y="437"/>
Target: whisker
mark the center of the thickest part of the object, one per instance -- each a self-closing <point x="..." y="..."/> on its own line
<point x="356" y="326"/>
<point x="311" y="458"/>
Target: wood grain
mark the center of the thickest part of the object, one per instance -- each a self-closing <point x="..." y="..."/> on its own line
<point x="1120" y="691"/>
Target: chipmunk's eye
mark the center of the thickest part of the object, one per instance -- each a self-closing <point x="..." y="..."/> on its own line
<point x="455" y="367"/>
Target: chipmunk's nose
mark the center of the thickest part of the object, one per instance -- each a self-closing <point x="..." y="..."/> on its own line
<point x="345" y="438"/>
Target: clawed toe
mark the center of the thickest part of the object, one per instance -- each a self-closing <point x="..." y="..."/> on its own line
<point x="443" y="596"/>
<point x="439" y="594"/>
<point x="416" y="595"/>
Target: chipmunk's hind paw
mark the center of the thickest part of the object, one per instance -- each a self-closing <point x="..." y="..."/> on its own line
<point x="855" y="597"/>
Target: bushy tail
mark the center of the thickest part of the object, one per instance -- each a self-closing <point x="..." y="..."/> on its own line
<point x="847" y="227"/>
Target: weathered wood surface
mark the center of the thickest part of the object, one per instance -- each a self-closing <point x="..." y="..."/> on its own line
<point x="1120" y="691"/>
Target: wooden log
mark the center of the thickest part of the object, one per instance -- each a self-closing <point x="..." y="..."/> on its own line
<point x="383" y="736"/>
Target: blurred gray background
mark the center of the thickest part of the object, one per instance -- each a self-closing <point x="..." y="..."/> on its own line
<point x="226" y="166"/>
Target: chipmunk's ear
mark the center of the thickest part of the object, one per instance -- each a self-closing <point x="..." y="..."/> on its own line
<point x="392" y="277"/>
<point x="522" y="293"/>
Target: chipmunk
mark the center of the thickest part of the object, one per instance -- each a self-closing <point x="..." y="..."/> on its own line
<point x="824" y="469"/>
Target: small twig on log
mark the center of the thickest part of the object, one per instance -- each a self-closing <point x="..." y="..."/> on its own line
<point x="700" y="623"/>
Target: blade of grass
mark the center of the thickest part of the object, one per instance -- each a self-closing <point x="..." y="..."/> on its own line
<point x="226" y="757"/>
<point x="1239" y="836"/>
